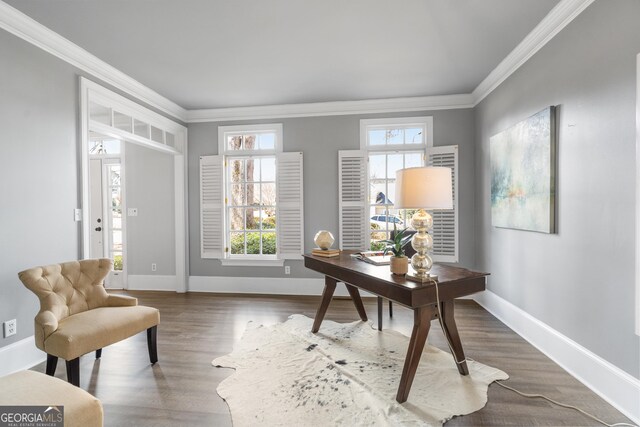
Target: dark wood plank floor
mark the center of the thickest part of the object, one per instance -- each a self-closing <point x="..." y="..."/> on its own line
<point x="195" y="328"/>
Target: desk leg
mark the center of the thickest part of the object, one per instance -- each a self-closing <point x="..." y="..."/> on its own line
<point x="357" y="301"/>
<point x="327" y="294"/>
<point x="421" y="324"/>
<point x="379" y="313"/>
<point x="451" y="330"/>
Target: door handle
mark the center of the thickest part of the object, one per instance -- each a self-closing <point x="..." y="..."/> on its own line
<point x="98" y="228"/>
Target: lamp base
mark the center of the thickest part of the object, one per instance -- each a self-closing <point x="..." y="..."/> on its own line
<point x="421" y="279"/>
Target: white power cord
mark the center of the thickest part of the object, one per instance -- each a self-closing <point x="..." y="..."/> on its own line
<point x="528" y="395"/>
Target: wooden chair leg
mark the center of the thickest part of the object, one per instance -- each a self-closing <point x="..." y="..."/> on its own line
<point x="152" y="343"/>
<point x="52" y="363"/>
<point x="98" y="353"/>
<point x="73" y="371"/>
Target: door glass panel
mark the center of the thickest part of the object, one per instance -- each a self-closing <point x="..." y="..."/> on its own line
<point x="114" y="215"/>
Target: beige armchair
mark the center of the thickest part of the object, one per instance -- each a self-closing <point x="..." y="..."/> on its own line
<point x="77" y="315"/>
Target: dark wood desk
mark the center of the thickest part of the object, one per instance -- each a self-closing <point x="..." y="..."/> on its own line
<point x="453" y="282"/>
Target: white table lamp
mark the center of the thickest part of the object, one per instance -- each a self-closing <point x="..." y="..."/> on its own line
<point x="423" y="188"/>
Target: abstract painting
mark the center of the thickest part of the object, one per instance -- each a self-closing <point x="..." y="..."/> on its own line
<point x="523" y="174"/>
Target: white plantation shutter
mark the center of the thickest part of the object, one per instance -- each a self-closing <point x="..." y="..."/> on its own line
<point x="445" y="222"/>
<point x="211" y="207"/>
<point x="290" y="206"/>
<point x="352" y="203"/>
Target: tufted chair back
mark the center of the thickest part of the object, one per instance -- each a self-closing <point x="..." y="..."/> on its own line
<point x="68" y="288"/>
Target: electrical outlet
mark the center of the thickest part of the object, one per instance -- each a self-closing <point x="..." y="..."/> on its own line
<point x="132" y="212"/>
<point x="287" y="269"/>
<point x="10" y="327"/>
<point x="154" y="267"/>
<point x="77" y="215"/>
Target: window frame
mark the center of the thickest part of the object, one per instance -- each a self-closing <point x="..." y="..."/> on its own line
<point x="366" y="125"/>
<point x="224" y="132"/>
<point x="425" y="122"/>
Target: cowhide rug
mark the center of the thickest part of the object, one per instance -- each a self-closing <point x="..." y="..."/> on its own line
<point x="347" y="374"/>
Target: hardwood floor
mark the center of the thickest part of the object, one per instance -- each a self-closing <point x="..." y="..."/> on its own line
<point x="180" y="390"/>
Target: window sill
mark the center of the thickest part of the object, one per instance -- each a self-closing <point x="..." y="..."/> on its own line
<point x="248" y="262"/>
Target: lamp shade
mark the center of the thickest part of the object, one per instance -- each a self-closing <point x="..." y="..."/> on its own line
<point x="424" y="188"/>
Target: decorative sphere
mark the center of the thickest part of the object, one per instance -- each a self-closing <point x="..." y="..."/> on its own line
<point x="324" y="239"/>
<point x="422" y="242"/>
<point x="421" y="220"/>
<point x="421" y="262"/>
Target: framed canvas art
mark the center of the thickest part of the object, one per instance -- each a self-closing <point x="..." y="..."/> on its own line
<point x="523" y="164"/>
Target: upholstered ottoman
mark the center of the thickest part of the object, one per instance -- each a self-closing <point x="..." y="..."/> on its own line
<point x="32" y="388"/>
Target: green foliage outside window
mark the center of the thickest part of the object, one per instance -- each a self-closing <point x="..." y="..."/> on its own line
<point x="253" y="243"/>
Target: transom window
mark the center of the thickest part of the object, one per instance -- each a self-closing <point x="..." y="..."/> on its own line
<point x="390" y="144"/>
<point x="250" y="191"/>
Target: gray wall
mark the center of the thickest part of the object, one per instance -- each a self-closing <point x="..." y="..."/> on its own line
<point x="579" y="281"/>
<point x="320" y="138"/>
<point x="38" y="172"/>
<point x="149" y="188"/>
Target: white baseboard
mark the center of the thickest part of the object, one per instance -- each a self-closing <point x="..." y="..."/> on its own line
<point x="611" y="383"/>
<point x="20" y="355"/>
<point x="263" y="285"/>
<point x="152" y="283"/>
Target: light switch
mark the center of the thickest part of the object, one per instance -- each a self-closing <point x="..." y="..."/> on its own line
<point x="132" y="212"/>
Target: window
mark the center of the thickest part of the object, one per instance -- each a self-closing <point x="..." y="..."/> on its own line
<point x="251" y="205"/>
<point x="251" y="198"/>
<point x="367" y="184"/>
<point x="102" y="145"/>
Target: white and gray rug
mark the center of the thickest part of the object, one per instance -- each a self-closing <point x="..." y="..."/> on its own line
<point x="347" y="374"/>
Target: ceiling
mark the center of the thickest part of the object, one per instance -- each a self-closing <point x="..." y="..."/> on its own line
<point x="234" y="53"/>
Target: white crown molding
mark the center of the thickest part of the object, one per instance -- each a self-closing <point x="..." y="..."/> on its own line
<point x="558" y="18"/>
<point x="339" y="108"/>
<point x="19" y="24"/>
<point x="611" y="383"/>
<point x="26" y="28"/>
